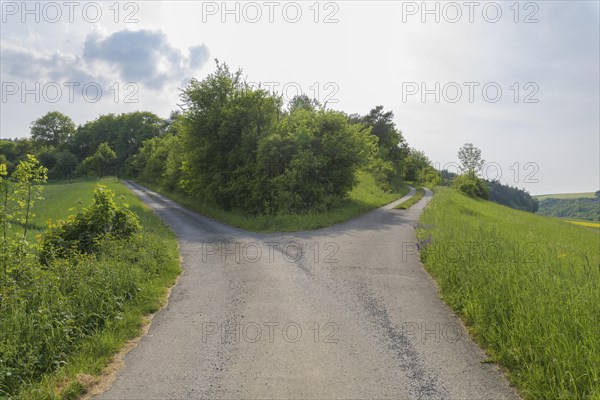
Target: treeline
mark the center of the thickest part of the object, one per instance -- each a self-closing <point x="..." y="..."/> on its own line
<point x="512" y="197"/>
<point x="582" y="208"/>
<point x="507" y="195"/>
<point x="233" y="145"/>
<point x="100" y="147"/>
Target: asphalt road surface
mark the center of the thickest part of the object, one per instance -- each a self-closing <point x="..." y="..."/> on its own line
<point x="342" y="312"/>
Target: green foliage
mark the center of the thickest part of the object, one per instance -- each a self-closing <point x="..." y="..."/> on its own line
<point x="17" y="197"/>
<point x="53" y="129"/>
<point x="472" y="186"/>
<point x="124" y="133"/>
<point x="470" y="159"/>
<point x="527" y="286"/>
<point x="364" y="197"/>
<point x="101" y="161"/>
<point x="415" y="162"/>
<point x="582" y="208"/>
<point x="387" y="163"/>
<point x="83" y="232"/>
<point x="311" y="164"/>
<point x="241" y="151"/>
<point x="512" y="197"/>
<point x="69" y="316"/>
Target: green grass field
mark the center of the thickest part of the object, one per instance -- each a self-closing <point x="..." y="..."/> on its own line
<point x="364" y="197"/>
<point x="114" y="292"/>
<point x="527" y="286"/>
<point x="585" y="195"/>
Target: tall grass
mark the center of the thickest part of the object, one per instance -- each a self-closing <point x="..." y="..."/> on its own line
<point x="364" y="197"/>
<point x="68" y="318"/>
<point x="528" y="286"/>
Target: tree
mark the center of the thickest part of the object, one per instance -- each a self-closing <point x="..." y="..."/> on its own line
<point x="53" y="129"/>
<point x="101" y="161"/>
<point x="66" y="163"/>
<point x="17" y="196"/>
<point x="414" y="164"/>
<point x="303" y="102"/>
<point x="470" y="159"/>
<point x="386" y="166"/>
<point x="124" y="133"/>
<point x="224" y="120"/>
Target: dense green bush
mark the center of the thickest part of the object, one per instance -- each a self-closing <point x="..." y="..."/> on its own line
<point x="241" y="150"/>
<point x="105" y="278"/>
<point x="472" y="186"/>
<point x="83" y="232"/>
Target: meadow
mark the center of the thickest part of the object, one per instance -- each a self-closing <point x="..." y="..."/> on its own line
<point x="62" y="323"/>
<point x="527" y="286"/>
<point x="364" y="197"/>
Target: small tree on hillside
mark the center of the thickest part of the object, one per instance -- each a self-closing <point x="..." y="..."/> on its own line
<point x="470" y="159"/>
<point x="471" y="162"/>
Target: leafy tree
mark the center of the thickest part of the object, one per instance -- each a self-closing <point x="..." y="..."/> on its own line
<point x="303" y="102"/>
<point x="414" y="164"/>
<point x="66" y="164"/>
<point x="311" y="162"/>
<point x="124" y="133"/>
<point x="18" y="194"/>
<point x="101" y="161"/>
<point x="470" y="159"/>
<point x="392" y="148"/>
<point x="224" y="120"/>
<point x="53" y="129"/>
<point x="471" y="162"/>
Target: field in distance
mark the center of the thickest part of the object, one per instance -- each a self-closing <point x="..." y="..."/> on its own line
<point x="584" y="195"/>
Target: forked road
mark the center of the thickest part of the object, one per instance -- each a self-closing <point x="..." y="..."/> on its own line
<point x="343" y="312"/>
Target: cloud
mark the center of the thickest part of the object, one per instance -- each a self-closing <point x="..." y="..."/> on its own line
<point x="198" y="56"/>
<point x="30" y="65"/>
<point x="144" y="56"/>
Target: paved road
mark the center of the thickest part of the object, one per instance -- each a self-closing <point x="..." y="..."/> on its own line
<point x="342" y="312"/>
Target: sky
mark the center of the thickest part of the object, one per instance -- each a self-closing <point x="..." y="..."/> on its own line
<point x="519" y="80"/>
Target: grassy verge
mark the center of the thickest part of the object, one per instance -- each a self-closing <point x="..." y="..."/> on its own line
<point x="63" y="328"/>
<point x="528" y="287"/>
<point x="364" y="197"/>
<point x="414" y="199"/>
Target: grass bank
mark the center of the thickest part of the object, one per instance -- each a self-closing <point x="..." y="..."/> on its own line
<point x="364" y="197"/>
<point x="528" y="287"/>
<point x="61" y="324"/>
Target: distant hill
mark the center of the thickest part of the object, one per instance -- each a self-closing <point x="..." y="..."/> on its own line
<point x="582" y="206"/>
<point x="585" y="195"/>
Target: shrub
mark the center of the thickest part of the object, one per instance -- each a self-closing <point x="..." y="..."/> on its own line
<point x="82" y="233"/>
<point x="472" y="186"/>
